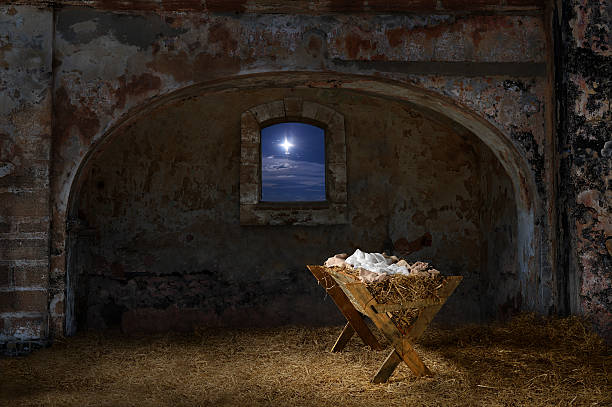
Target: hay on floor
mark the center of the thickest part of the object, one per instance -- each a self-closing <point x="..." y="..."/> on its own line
<point x="527" y="362"/>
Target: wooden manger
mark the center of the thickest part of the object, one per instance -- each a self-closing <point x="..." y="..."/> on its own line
<point x="354" y="300"/>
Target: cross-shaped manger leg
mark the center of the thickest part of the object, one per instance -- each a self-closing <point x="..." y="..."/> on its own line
<point x="387" y="368"/>
<point x="401" y="352"/>
<point x="380" y="314"/>
<point x="356" y="323"/>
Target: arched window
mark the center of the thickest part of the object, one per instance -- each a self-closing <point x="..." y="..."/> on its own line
<point x="293" y="164"/>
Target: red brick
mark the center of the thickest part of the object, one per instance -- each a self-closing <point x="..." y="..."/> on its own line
<point x="24" y="204"/>
<point x="23" y="301"/>
<point x="21" y="243"/>
<point x="24" y="253"/>
<point x="34" y="226"/>
<point x="30" y="276"/>
<point x="23" y="249"/>
<point x="4" y="276"/>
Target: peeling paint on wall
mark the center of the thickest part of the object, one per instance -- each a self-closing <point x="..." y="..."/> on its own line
<point x="585" y="126"/>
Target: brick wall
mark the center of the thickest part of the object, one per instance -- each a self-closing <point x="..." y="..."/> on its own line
<point x="25" y="143"/>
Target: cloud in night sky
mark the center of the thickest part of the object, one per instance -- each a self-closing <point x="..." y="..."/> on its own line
<point x="284" y="179"/>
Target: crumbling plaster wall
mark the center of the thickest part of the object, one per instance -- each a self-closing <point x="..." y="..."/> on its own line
<point x="108" y="63"/>
<point x="163" y="246"/>
<point x="584" y="66"/>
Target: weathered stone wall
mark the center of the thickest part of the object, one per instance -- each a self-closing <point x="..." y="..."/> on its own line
<point x="162" y="239"/>
<point x="584" y="74"/>
<point x="25" y="145"/>
<point x="483" y="64"/>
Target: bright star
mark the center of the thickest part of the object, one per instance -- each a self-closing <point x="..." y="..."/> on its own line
<point x="286" y="145"/>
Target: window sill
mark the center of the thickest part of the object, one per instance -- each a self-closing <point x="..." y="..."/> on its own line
<point x="293" y="205"/>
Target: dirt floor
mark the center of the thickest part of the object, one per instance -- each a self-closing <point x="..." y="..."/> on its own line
<point x="527" y="362"/>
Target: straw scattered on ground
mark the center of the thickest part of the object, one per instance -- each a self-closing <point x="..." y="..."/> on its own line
<point x="527" y="362"/>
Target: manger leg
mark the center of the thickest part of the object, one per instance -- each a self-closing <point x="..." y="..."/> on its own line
<point x="425" y="317"/>
<point x="427" y="314"/>
<point x="412" y="359"/>
<point x="358" y="324"/>
<point x="388" y="367"/>
<point x="344" y="305"/>
<point x="346" y="334"/>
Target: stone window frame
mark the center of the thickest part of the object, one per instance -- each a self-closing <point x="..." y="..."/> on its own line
<point x="292" y="109"/>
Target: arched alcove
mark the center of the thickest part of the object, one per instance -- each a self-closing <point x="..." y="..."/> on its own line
<point x="156" y="241"/>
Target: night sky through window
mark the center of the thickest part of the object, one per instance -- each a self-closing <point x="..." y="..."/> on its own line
<point x="292" y="163"/>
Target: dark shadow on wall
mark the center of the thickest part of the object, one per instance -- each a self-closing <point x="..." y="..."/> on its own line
<point x="158" y="244"/>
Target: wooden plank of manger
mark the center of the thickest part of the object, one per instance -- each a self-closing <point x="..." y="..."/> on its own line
<point x="380" y="308"/>
<point x="363" y="300"/>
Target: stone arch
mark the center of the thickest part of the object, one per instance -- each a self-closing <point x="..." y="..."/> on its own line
<point x="509" y="155"/>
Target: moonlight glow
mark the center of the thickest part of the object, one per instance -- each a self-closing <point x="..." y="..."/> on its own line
<point x="286" y="144"/>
